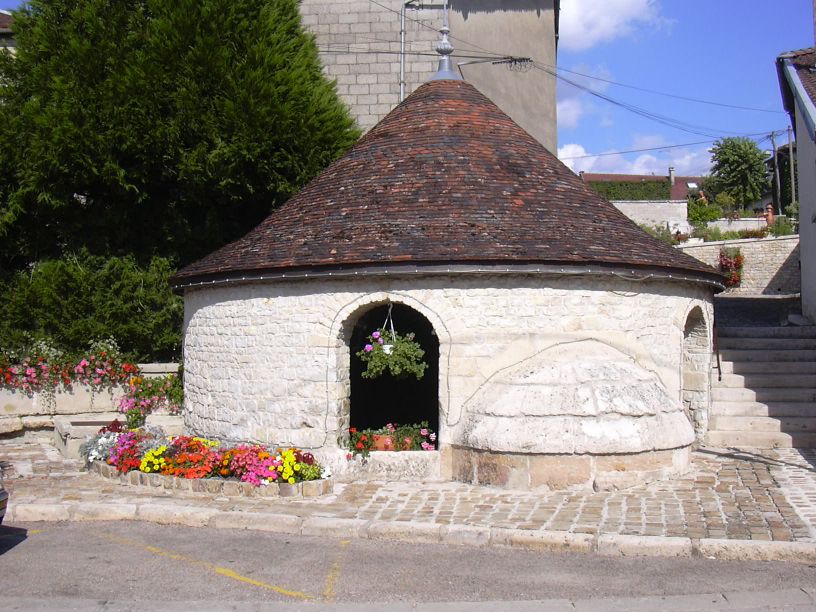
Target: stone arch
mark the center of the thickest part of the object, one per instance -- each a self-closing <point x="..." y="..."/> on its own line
<point x="696" y="370"/>
<point x="339" y="385"/>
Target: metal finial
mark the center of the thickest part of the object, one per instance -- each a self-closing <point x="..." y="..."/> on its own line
<point x="444" y="48"/>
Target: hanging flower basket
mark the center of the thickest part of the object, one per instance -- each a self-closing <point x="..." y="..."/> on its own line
<point x="392" y="353"/>
<point x="386" y="351"/>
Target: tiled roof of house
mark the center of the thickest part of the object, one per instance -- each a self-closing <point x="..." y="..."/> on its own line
<point x="679" y="191"/>
<point x="446" y="177"/>
<point x="804" y="62"/>
<point x="5" y="21"/>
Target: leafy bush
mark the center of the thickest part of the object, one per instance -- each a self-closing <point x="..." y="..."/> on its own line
<point x="75" y="299"/>
<point x="663" y="233"/>
<point x="782" y="227"/>
<point x="701" y="212"/>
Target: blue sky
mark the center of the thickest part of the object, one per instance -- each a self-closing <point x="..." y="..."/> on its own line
<point x="717" y="50"/>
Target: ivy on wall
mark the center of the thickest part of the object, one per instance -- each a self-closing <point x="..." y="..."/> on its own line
<point x="636" y="190"/>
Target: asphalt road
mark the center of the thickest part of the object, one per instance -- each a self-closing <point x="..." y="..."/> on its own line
<point x="84" y="565"/>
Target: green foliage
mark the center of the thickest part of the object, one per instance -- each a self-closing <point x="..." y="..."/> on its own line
<point x="725" y="202"/>
<point x="661" y="232"/>
<point x="701" y="212"/>
<point x="782" y="227"/>
<point x="396" y="354"/>
<point x="76" y="299"/>
<point x="640" y="190"/>
<point x="739" y="167"/>
<point x="157" y="128"/>
<point x="792" y="210"/>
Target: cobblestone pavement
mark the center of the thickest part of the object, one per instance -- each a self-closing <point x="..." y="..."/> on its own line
<point x="739" y="496"/>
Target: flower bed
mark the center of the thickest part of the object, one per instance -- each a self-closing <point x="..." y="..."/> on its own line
<point x="391" y="437"/>
<point x="215" y="486"/>
<point x="139" y="455"/>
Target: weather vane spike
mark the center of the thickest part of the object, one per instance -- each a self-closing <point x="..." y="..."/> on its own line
<point x="444" y="48"/>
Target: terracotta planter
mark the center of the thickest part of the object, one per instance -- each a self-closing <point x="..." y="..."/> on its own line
<point x="387" y="442"/>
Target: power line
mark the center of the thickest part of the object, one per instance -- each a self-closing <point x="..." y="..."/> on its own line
<point x="668" y="95"/>
<point x="674" y="146"/>
<point x="662" y="119"/>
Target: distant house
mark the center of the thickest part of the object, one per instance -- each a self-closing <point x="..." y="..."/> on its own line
<point x="6" y="35"/>
<point x="648" y="199"/>
<point x="797" y="82"/>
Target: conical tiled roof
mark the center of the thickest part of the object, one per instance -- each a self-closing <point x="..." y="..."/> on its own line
<point x="445" y="178"/>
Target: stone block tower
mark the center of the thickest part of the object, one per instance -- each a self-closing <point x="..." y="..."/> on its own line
<point x="359" y="42"/>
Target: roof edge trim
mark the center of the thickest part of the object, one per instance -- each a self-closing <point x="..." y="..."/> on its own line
<point x="802" y="98"/>
<point x="626" y="272"/>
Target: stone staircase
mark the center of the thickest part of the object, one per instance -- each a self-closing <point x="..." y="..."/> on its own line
<point x="767" y="395"/>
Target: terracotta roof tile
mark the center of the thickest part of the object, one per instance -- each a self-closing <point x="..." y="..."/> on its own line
<point x="804" y="61"/>
<point x="446" y="177"/>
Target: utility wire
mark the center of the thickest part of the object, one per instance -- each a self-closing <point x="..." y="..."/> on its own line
<point x="662" y="119"/>
<point x="668" y="95"/>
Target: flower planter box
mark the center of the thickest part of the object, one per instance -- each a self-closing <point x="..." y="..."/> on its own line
<point x="216" y="486"/>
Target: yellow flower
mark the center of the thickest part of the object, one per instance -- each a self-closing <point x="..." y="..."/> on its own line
<point x="291" y="481"/>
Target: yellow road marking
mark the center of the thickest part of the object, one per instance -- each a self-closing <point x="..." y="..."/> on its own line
<point x="33" y="531"/>
<point x="221" y="571"/>
<point x="334" y="572"/>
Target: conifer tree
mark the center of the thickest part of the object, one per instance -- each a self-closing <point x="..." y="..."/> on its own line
<point x="149" y="127"/>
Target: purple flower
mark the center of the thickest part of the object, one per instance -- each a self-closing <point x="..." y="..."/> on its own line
<point x="380" y="340"/>
<point x="423" y="431"/>
<point x="368" y="348"/>
<point x="375" y="335"/>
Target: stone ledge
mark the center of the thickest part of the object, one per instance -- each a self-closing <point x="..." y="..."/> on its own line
<point x="216" y="486"/>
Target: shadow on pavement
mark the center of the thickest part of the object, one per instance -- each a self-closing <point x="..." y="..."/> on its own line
<point x="742" y="455"/>
<point x="11" y="537"/>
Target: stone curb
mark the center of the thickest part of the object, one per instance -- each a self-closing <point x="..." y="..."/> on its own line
<point x="215" y="486"/>
<point x="419" y="533"/>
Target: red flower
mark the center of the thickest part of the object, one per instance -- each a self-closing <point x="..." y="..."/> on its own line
<point x="352" y="430"/>
<point x="360" y="446"/>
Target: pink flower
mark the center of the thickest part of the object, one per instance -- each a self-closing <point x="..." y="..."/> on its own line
<point x="390" y="427"/>
<point x="379" y="340"/>
<point x="423" y="432"/>
<point x="368" y="348"/>
<point x="83" y="363"/>
<point x="375" y="335"/>
<point x="97" y="381"/>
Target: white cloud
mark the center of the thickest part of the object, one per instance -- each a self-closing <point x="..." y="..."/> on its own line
<point x="688" y="161"/>
<point x="570" y="112"/>
<point x="587" y="23"/>
<point x="573" y="102"/>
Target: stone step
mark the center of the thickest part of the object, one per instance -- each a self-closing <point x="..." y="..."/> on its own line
<point x="771" y="344"/>
<point x="767" y="332"/>
<point x="760" y="381"/>
<point x="726" y="394"/>
<point x="767" y="409"/>
<point x="747" y="440"/>
<point x="767" y="355"/>
<point x="765" y="367"/>
<point x="763" y="424"/>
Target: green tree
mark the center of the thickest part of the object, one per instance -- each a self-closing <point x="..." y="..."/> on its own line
<point x="81" y="298"/>
<point x="739" y="169"/>
<point x="157" y="128"/>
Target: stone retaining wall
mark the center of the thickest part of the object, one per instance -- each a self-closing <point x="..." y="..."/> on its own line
<point x="771" y="264"/>
<point x="216" y="486"/>
<point x="20" y="411"/>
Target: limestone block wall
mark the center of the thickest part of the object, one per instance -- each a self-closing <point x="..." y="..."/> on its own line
<point x="359" y="43"/>
<point x="19" y="411"/>
<point x="269" y="362"/>
<point x="672" y="213"/>
<point x="771" y="265"/>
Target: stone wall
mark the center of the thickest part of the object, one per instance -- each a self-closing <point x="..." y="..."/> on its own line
<point x="359" y="44"/>
<point x="736" y="225"/>
<point x="19" y="411"/>
<point x="673" y="213"/>
<point x="771" y="265"/>
<point x="806" y="193"/>
<point x="269" y="362"/>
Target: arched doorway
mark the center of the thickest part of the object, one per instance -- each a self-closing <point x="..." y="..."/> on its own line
<point x="696" y="371"/>
<point x="375" y="402"/>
